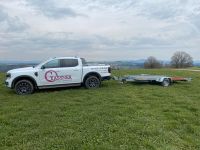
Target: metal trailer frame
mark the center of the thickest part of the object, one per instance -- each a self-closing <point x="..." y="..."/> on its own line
<point x="142" y="78"/>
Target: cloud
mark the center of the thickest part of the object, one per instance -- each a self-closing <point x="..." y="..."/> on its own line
<point x="54" y="41"/>
<point x="114" y="29"/>
<point x="50" y="9"/>
<point x="160" y="9"/>
<point x="94" y="46"/>
<point x="10" y="24"/>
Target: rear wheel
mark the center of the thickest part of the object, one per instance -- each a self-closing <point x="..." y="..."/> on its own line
<point x="166" y="83"/>
<point x="24" y="87"/>
<point x="92" y="82"/>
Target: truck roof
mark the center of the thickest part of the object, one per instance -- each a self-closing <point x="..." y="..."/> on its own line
<point x="65" y="57"/>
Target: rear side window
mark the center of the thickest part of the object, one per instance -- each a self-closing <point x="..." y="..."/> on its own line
<point x="69" y="62"/>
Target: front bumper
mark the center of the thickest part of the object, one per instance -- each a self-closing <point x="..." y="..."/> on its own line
<point x="7" y="83"/>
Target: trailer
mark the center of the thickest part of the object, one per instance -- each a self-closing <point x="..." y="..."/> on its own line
<point x="146" y="78"/>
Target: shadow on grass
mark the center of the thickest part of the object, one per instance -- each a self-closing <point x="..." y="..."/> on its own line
<point x="51" y="90"/>
<point x="67" y="88"/>
<point x="144" y="83"/>
<point x="155" y="83"/>
<point x="58" y="89"/>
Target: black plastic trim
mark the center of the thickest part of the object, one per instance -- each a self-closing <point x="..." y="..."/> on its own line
<point x="27" y="77"/>
<point x="58" y="85"/>
<point x="92" y="73"/>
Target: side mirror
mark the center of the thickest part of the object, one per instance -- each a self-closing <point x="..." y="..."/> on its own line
<point x="43" y="67"/>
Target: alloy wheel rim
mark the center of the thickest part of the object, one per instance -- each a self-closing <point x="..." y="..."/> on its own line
<point x="24" y="88"/>
<point x="166" y="83"/>
<point x="93" y="83"/>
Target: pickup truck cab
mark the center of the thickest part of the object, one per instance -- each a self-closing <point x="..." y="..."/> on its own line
<point x="57" y="72"/>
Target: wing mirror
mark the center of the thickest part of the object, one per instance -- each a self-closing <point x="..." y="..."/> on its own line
<point x="43" y="67"/>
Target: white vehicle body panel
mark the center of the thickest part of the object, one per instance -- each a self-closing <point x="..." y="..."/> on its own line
<point x="26" y="72"/>
<point x="57" y="76"/>
<point x="101" y="70"/>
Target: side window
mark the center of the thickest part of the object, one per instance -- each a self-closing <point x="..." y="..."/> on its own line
<point x="53" y="64"/>
<point x="69" y="62"/>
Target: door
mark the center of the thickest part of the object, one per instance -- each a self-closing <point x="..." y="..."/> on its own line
<point x="60" y="72"/>
<point x="73" y="69"/>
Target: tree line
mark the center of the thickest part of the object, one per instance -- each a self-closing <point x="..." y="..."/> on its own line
<point x="179" y="59"/>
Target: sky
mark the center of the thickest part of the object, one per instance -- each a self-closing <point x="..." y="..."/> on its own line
<point x="98" y="29"/>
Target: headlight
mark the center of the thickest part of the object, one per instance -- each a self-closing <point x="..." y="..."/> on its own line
<point x="8" y="75"/>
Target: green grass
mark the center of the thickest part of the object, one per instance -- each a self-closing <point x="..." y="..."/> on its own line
<point x="197" y="68"/>
<point x="115" y="116"/>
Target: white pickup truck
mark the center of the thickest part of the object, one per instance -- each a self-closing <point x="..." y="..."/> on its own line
<point x="57" y="72"/>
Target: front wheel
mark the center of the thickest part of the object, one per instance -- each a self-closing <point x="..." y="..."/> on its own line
<point x="92" y="82"/>
<point x="24" y="87"/>
<point x="166" y="83"/>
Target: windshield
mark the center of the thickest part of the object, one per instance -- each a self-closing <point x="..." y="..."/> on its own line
<point x="43" y="62"/>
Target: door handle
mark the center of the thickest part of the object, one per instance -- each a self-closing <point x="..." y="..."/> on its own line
<point x="75" y="69"/>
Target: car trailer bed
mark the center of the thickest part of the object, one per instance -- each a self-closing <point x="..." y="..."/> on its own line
<point x="163" y="80"/>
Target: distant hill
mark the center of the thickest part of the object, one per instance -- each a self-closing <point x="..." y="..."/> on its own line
<point x="6" y="67"/>
<point x="197" y="63"/>
<point x="17" y="62"/>
<point x="129" y="64"/>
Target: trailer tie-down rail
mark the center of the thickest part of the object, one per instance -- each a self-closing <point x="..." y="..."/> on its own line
<point x="163" y="80"/>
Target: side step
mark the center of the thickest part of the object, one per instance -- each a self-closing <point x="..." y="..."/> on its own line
<point x="58" y="86"/>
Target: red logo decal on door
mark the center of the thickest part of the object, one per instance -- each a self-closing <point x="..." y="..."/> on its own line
<point x="52" y="76"/>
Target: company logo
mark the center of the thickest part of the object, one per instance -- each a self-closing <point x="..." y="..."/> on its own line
<point x="52" y="76"/>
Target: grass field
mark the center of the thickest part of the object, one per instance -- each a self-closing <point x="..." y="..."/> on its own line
<point x="115" y="116"/>
<point x="197" y="68"/>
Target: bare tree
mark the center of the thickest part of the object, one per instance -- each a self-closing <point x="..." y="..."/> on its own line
<point x="152" y="62"/>
<point x="181" y="59"/>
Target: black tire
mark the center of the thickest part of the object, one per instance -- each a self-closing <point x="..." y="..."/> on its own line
<point x="24" y="87"/>
<point x="166" y="82"/>
<point x="92" y="82"/>
<point x="123" y="81"/>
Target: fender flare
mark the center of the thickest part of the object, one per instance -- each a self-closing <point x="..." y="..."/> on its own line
<point x="91" y="73"/>
<point x="24" y="77"/>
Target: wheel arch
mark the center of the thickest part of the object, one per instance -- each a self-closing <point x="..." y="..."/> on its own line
<point x="31" y="79"/>
<point x="96" y="74"/>
<point x="170" y="80"/>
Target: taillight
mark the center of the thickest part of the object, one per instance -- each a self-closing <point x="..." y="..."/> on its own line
<point x="109" y="69"/>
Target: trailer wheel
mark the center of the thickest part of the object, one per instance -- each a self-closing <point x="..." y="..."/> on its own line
<point x="92" y="82"/>
<point x="166" y="82"/>
<point x="24" y="87"/>
<point x="123" y="81"/>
